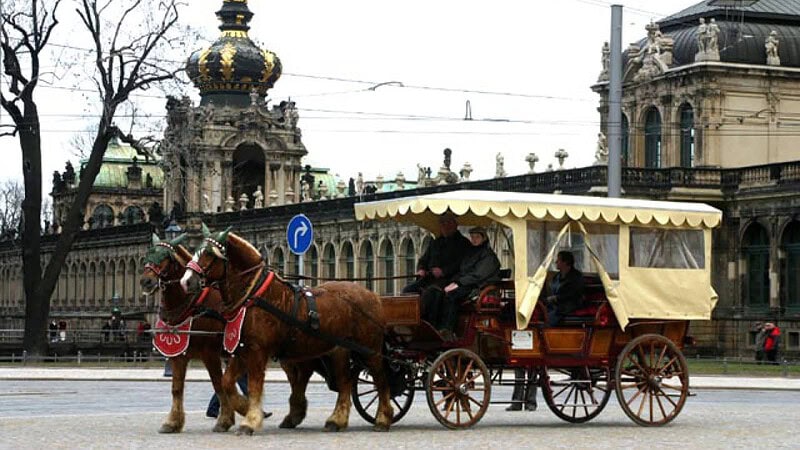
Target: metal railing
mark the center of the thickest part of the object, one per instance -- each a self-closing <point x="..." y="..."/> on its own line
<point x="80" y="336"/>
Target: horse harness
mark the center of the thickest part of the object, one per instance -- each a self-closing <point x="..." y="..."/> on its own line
<point x="309" y="325"/>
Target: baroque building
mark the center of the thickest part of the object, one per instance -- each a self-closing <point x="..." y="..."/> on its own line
<point x="708" y="108"/>
<point x="128" y="190"/>
<point x="232" y="150"/>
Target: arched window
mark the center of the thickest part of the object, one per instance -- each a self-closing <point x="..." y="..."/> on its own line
<point x="409" y="259"/>
<point x="367" y="258"/>
<point x="329" y="261"/>
<point x="652" y="138"/>
<point x="387" y="266"/>
<point x="311" y="260"/>
<point x="756" y="255"/>
<point x="348" y="265"/>
<point x="626" y="131"/>
<point x="132" y="215"/>
<point x="687" y="135"/>
<point x="278" y="260"/>
<point x="102" y="217"/>
<point x="249" y="167"/>
<point x="790" y="287"/>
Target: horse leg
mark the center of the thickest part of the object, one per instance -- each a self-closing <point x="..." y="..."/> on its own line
<point x="176" y="417"/>
<point x="298" y="376"/>
<point x="344" y="382"/>
<point x="385" y="413"/>
<point x="213" y="365"/>
<point x="256" y="362"/>
<point x="226" y="418"/>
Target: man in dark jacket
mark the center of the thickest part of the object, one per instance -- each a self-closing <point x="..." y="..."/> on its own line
<point x="441" y="260"/>
<point x="479" y="267"/>
<point x="566" y="289"/>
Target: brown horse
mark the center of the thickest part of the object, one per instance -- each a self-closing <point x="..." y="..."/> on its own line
<point x="345" y="311"/>
<point x="164" y="265"/>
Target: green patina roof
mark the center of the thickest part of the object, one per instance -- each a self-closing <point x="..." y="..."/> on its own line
<point x="114" y="171"/>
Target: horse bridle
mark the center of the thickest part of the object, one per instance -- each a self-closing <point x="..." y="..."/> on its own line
<point x="203" y="271"/>
<point x="163" y="282"/>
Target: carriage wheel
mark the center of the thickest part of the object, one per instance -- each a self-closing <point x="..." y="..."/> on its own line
<point x="577" y="394"/>
<point x="458" y="388"/>
<point x="652" y="380"/>
<point x="365" y="397"/>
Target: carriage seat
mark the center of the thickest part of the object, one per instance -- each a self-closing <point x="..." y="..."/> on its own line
<point x="595" y="309"/>
<point x="490" y="298"/>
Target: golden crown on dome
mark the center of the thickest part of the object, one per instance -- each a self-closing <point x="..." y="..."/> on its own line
<point x="234" y="63"/>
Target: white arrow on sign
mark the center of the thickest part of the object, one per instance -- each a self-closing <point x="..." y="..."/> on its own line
<point x="300" y="231"/>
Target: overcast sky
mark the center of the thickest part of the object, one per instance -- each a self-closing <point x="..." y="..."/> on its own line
<point x="544" y="55"/>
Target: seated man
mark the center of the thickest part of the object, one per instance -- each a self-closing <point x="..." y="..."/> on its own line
<point x="479" y="267"/>
<point x="438" y="265"/>
<point x="566" y="289"/>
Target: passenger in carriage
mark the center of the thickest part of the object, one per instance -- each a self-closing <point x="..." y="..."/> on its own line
<point x="441" y="260"/>
<point x="478" y="268"/>
<point x="566" y="289"/>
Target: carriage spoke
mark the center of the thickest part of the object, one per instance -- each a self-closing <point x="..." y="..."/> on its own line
<point x="368" y="392"/>
<point x="660" y="405"/>
<point x="674" y="388"/>
<point x="445" y="398"/>
<point x="661" y="356"/>
<point x="371" y="402"/>
<point x="664" y="394"/>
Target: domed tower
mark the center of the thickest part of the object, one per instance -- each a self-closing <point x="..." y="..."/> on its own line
<point x="233" y="151"/>
<point x="233" y="66"/>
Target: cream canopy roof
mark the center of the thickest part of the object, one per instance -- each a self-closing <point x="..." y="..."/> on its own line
<point x="480" y="207"/>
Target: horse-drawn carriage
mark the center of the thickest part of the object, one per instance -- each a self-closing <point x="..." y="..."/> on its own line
<point x="650" y="275"/>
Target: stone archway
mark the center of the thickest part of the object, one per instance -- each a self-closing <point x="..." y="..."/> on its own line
<point x="249" y="169"/>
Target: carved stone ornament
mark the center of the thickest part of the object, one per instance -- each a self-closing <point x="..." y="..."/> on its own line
<point x="499" y="170"/>
<point x="601" y="154"/>
<point x="771" y="47"/>
<point x="707" y="41"/>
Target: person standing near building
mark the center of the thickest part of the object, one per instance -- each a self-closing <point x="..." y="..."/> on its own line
<point x="772" y="342"/>
<point x="761" y="336"/>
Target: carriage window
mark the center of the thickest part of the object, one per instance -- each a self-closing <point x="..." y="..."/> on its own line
<point x="669" y="249"/>
<point x="604" y="240"/>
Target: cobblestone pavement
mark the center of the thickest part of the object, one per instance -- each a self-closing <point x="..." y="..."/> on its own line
<point x="74" y="414"/>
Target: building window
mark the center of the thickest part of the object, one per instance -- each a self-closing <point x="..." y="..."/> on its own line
<point x="626" y="130"/>
<point x="793" y="341"/>
<point x="756" y="256"/>
<point x="687" y="135"/>
<point x="410" y="260"/>
<point x="348" y="260"/>
<point x="102" y="217"/>
<point x="387" y="260"/>
<point x="329" y="262"/>
<point x="312" y="264"/>
<point x="652" y="138"/>
<point x="790" y="287"/>
<point x="132" y="215"/>
<point x="279" y="261"/>
<point x="368" y="262"/>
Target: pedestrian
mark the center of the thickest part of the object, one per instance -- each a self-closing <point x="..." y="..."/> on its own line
<point x="761" y="336"/>
<point x="213" y="405"/>
<point x="524" y="394"/>
<point x="772" y="342"/>
<point x="53" y="327"/>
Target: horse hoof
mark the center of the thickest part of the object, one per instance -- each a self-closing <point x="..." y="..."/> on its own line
<point x="287" y="423"/>
<point x="167" y="429"/>
<point x="244" y="430"/>
<point x="218" y="428"/>
<point x="332" y="426"/>
<point x="380" y="427"/>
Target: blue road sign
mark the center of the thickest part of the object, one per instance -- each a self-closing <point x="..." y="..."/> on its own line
<point x="299" y="234"/>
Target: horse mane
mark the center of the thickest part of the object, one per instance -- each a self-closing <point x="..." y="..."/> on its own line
<point x="238" y="240"/>
<point x="182" y="254"/>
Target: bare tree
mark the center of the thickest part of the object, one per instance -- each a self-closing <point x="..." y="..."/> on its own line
<point x="128" y="39"/>
<point x="11" y="196"/>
